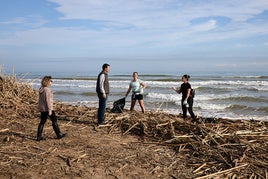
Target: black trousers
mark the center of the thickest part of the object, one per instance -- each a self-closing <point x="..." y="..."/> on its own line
<point x="44" y="116"/>
<point x="190" y="102"/>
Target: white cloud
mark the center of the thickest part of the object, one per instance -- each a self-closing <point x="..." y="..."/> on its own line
<point x="211" y="24"/>
<point x="30" y="21"/>
<point x="170" y="18"/>
<point x="168" y="12"/>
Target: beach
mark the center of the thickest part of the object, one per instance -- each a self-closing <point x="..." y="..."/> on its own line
<point x="192" y="76"/>
<point x="131" y="145"/>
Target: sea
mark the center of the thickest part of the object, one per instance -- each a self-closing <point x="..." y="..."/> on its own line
<point x="217" y="96"/>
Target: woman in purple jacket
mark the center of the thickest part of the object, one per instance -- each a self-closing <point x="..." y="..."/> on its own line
<point x="45" y="106"/>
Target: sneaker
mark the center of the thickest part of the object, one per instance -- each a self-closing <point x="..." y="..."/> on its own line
<point x="103" y="124"/>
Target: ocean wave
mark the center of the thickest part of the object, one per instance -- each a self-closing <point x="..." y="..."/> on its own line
<point x="88" y="94"/>
<point x="177" y="100"/>
<point x="87" y="86"/>
<point x="238" y="97"/>
<point x="167" y="97"/>
<point x="210" y="106"/>
<point x="162" y="83"/>
<point x="263" y="109"/>
<point x="240" y="107"/>
<point x="248" y="109"/>
<point x="208" y="97"/>
<point x="75" y="78"/>
<point x="218" y="89"/>
<point x="83" y="102"/>
<point x="228" y="83"/>
<point x="250" y="77"/>
<point x="243" y="99"/>
<point x="64" y="93"/>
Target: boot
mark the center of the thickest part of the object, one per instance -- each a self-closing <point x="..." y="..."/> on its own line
<point x="61" y="135"/>
<point x="39" y="132"/>
<point x="57" y="131"/>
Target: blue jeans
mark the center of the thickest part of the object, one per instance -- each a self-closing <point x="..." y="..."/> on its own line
<point x="102" y="108"/>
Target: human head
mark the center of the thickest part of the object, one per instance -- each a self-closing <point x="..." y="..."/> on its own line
<point x="46" y="81"/>
<point x="135" y="75"/>
<point x="185" y="78"/>
<point x="106" y="67"/>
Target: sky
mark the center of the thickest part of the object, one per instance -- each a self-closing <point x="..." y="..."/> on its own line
<point x="159" y="36"/>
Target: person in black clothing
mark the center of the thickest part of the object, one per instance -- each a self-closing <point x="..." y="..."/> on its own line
<point x="187" y="100"/>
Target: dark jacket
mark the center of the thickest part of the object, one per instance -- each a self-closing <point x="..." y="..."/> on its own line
<point x="105" y="86"/>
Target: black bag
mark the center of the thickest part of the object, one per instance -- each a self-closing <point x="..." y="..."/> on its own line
<point x="192" y="93"/>
<point x="119" y="105"/>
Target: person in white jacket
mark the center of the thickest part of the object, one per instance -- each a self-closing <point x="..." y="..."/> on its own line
<point x="45" y="106"/>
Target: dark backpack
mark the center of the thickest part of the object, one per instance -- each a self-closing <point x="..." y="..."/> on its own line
<point x="119" y="105"/>
<point x="192" y="93"/>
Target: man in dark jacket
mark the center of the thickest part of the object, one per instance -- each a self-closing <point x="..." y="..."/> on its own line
<point x="103" y="90"/>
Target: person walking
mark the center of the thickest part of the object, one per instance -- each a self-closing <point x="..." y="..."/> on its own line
<point x="137" y="86"/>
<point x="187" y="99"/>
<point x="103" y="90"/>
<point x="45" y="106"/>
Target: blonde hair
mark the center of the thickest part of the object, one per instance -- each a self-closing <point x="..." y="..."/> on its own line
<point x="45" y="81"/>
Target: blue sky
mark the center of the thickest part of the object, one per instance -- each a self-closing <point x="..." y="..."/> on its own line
<point x="141" y="35"/>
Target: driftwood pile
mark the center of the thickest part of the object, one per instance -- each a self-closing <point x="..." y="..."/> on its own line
<point x="220" y="148"/>
<point x="225" y="148"/>
<point x="16" y="97"/>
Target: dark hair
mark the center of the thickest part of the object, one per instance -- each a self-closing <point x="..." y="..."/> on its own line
<point x="187" y="77"/>
<point x="105" y="65"/>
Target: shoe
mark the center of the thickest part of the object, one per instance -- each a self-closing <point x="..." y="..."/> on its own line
<point x="39" y="132"/>
<point x="40" y="138"/>
<point x="103" y="124"/>
<point x="61" y="136"/>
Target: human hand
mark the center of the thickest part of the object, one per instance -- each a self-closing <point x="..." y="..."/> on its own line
<point x="49" y="112"/>
<point x="174" y="88"/>
<point x="104" y="95"/>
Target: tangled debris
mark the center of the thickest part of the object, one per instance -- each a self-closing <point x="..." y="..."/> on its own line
<point x="215" y="149"/>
